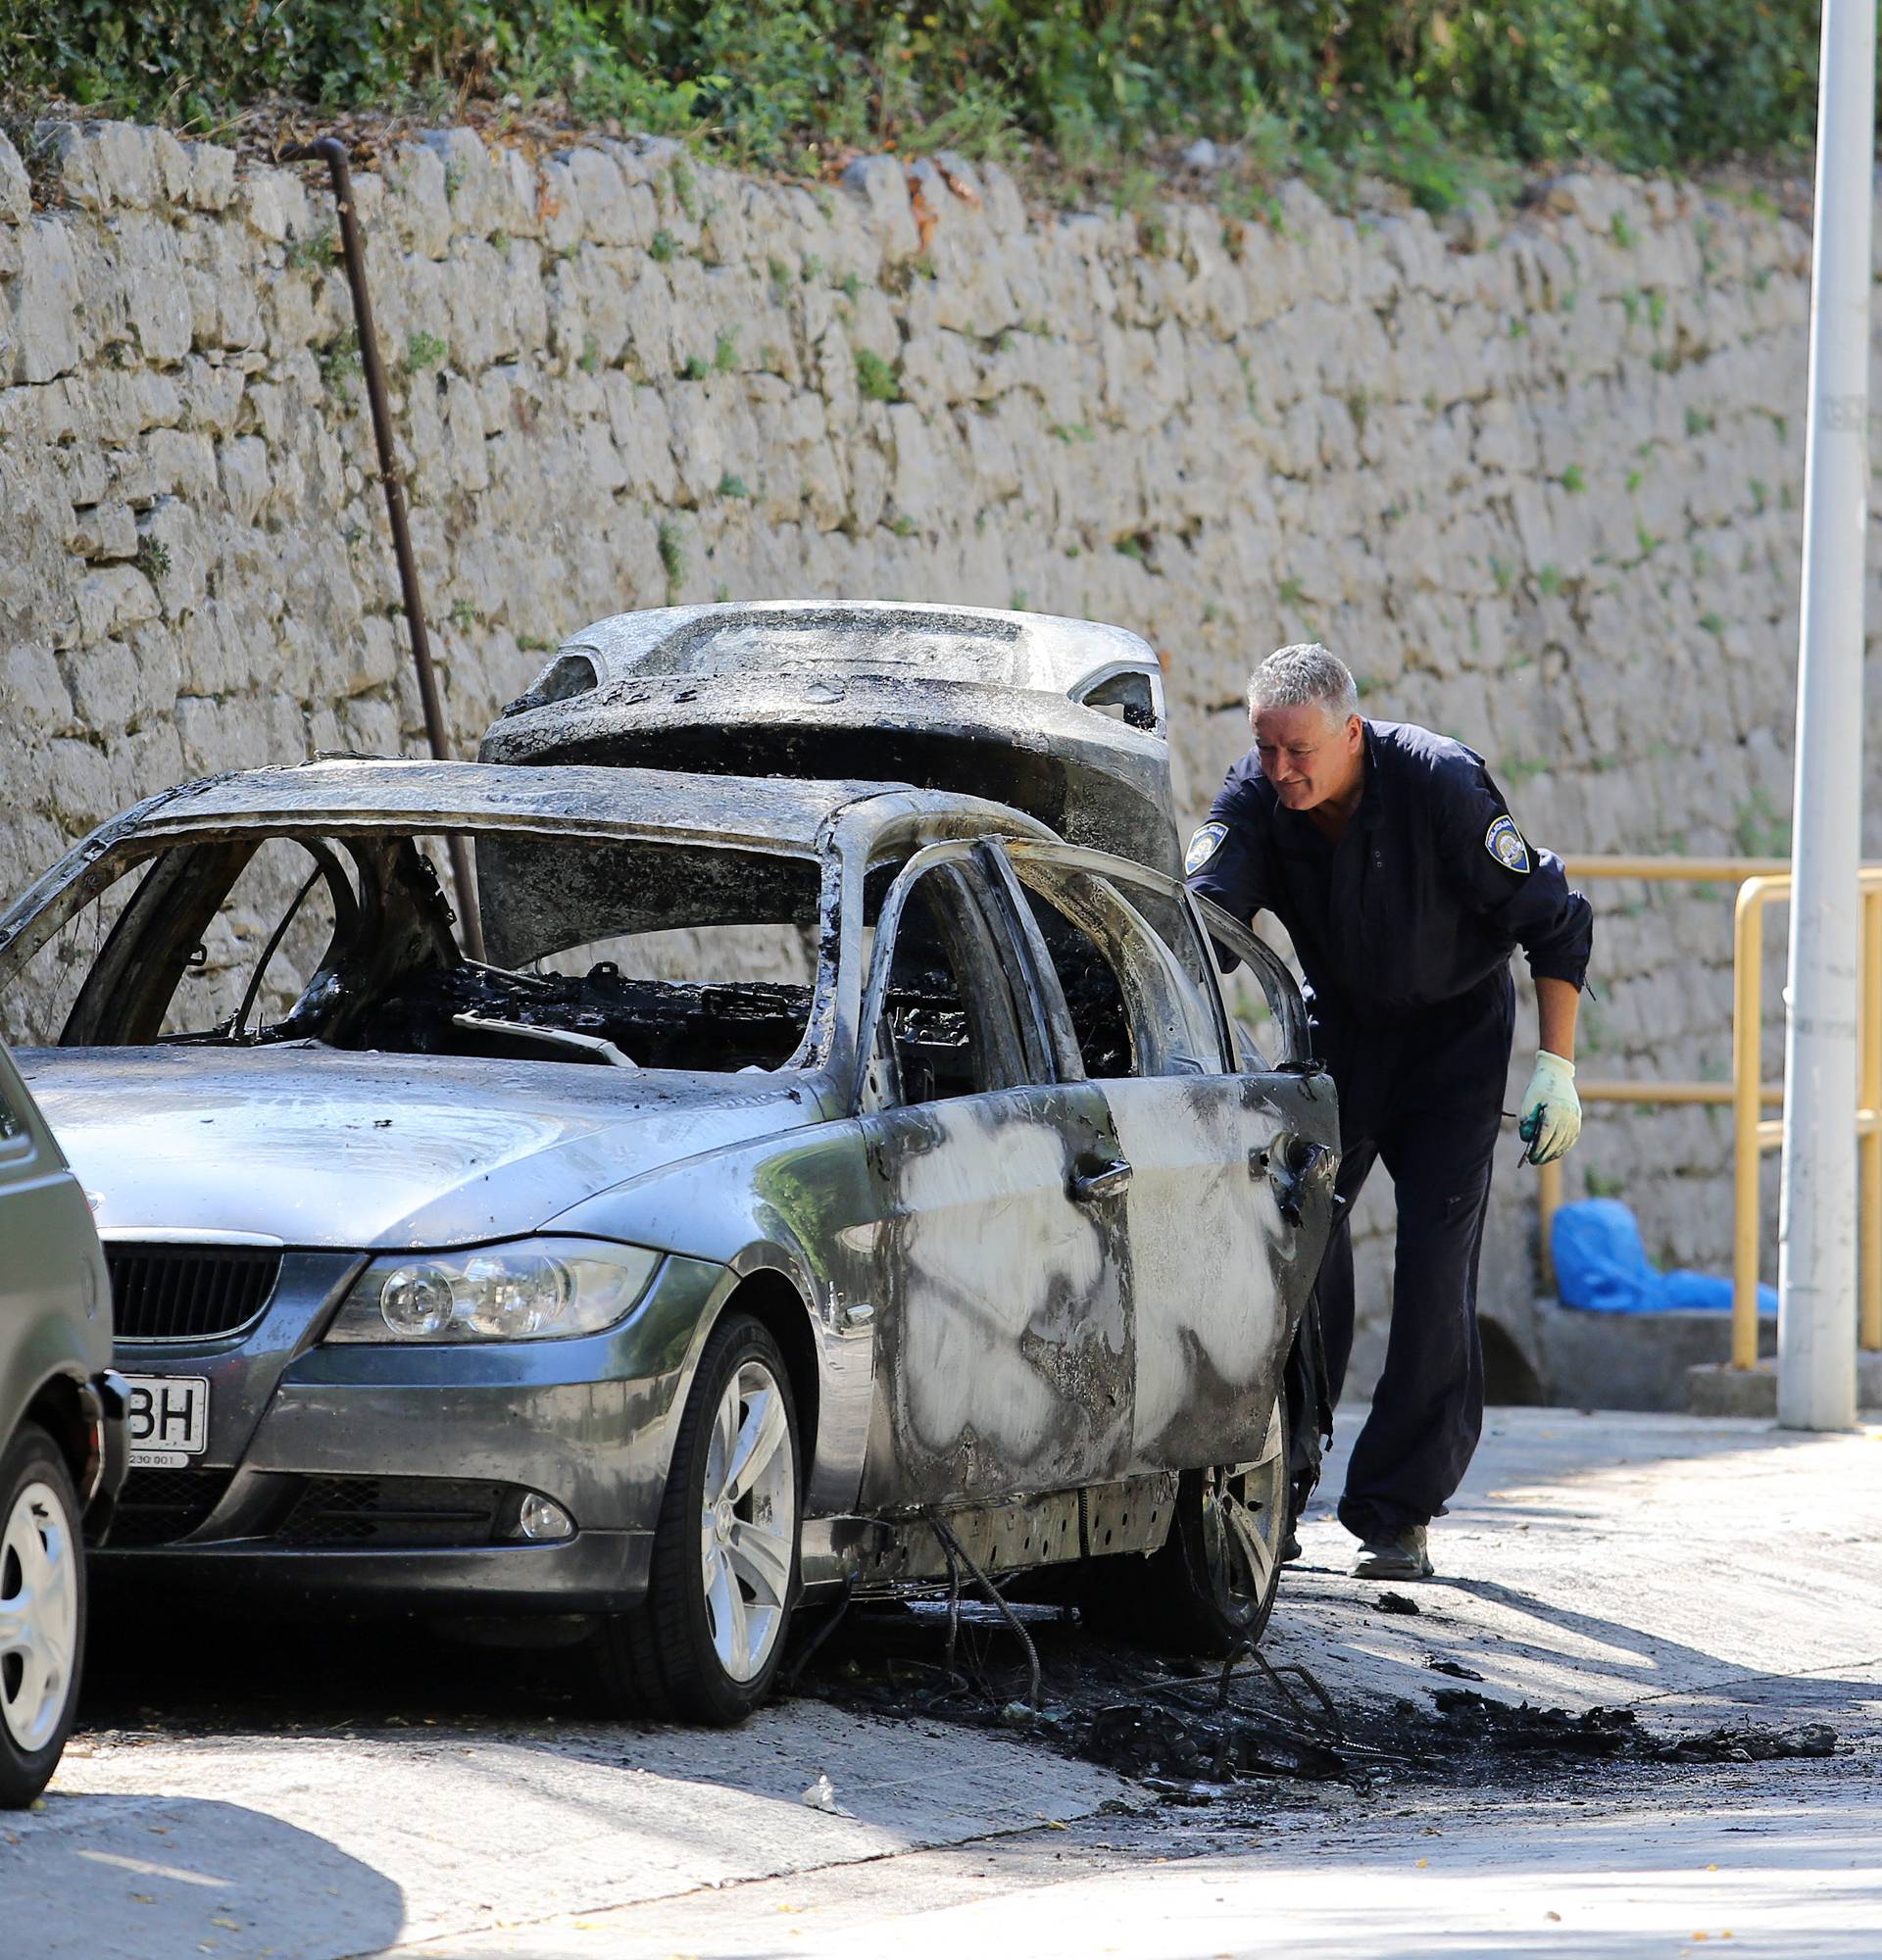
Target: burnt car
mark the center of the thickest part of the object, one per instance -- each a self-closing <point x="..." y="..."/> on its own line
<point x="814" y="1183"/>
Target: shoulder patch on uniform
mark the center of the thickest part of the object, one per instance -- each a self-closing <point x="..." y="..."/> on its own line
<point x="1203" y="847"/>
<point x="1504" y="842"/>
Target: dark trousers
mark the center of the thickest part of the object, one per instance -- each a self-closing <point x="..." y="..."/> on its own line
<point x="1423" y="1095"/>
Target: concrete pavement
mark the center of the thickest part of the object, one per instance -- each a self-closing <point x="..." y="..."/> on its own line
<point x="1762" y="1868"/>
<point x="315" y="1846"/>
<point x="329" y="1806"/>
<point x="1702" y="1570"/>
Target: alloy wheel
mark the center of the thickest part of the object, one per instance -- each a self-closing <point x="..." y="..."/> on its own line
<point x="748" y="1520"/>
<point x="1245" y="1519"/>
<point x="38" y="1616"/>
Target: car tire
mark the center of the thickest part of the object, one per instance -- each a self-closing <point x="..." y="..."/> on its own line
<point x="42" y="1613"/>
<point x="1213" y="1582"/>
<point x="707" y="1643"/>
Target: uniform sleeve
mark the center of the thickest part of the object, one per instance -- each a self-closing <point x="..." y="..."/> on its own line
<point x="1228" y="858"/>
<point x="1520" y="890"/>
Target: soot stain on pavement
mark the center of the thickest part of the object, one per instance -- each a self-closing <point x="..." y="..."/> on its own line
<point x="1244" y="1741"/>
<point x="1195" y="1734"/>
<point x="1605" y="1734"/>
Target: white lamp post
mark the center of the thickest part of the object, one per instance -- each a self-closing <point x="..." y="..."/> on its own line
<point x="1817" y="1232"/>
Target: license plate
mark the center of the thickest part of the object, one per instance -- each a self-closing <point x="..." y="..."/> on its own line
<point x="169" y="1420"/>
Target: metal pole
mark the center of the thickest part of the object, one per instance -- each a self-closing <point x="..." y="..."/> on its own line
<point x="330" y="150"/>
<point x="1747" y="1065"/>
<point x="1817" y="1236"/>
<point x="1870" y="1149"/>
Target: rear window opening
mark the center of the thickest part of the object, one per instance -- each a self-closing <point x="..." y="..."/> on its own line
<point x="1127" y="698"/>
<point x="601" y="953"/>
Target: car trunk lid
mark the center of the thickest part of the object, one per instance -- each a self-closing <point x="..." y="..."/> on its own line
<point x="1061" y="718"/>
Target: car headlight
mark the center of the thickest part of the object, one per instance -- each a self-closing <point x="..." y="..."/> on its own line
<point x="529" y="1290"/>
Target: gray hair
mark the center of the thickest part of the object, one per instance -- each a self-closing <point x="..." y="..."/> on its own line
<point x="1295" y="676"/>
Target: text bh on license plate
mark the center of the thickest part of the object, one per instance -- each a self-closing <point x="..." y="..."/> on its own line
<point x="167" y="1421"/>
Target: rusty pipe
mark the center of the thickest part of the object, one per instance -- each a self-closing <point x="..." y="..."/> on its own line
<point x="330" y="150"/>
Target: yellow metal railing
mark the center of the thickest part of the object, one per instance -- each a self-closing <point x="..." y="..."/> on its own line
<point x="1760" y="882"/>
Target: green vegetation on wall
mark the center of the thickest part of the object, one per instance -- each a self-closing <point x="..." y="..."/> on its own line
<point x="1398" y="86"/>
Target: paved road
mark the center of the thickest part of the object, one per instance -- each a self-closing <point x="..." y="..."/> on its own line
<point x="1784" y="1868"/>
<point x="298" y="1800"/>
<point x="1702" y="1570"/>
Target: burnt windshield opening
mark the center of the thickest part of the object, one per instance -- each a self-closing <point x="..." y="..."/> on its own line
<point x="603" y="952"/>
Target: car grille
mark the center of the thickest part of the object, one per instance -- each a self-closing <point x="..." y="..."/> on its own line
<point x="183" y="1292"/>
<point x="404" y="1511"/>
<point x="160" y="1507"/>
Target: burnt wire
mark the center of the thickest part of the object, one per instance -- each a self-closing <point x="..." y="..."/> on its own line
<point x="1319" y="1733"/>
<point x="1311" y="1680"/>
<point x="1242" y="1646"/>
<point x="954" y="1597"/>
<point x="1325" y="1719"/>
<point x="957" y="1682"/>
<point x="1329" y="1716"/>
<point x="822" y="1633"/>
<point x="953" y="1545"/>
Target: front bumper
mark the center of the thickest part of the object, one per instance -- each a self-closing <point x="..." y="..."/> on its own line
<point x="392" y="1476"/>
<point x="593" y="1572"/>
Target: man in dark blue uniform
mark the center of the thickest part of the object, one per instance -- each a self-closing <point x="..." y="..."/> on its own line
<point x="1389" y="855"/>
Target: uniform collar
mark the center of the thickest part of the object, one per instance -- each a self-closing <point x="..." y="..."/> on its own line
<point x="1371" y="809"/>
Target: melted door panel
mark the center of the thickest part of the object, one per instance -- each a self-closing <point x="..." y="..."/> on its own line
<point x="1291" y="1116"/>
<point x="1211" y="1316"/>
<point x="1291" y="1126"/>
<point x="1006" y="1343"/>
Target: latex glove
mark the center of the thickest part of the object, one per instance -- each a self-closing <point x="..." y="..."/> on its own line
<point x="1551" y="1110"/>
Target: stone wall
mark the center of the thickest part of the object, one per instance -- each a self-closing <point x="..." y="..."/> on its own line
<point x="1537" y="479"/>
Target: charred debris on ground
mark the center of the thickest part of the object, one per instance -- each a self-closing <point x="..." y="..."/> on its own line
<point x="1192" y="1730"/>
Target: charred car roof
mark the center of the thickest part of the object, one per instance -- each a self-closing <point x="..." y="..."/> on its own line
<point x="334" y="791"/>
<point x="1061" y="718"/>
<point x="631" y="807"/>
<point x="338" y="791"/>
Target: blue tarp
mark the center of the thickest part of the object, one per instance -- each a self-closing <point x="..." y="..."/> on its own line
<point x="1602" y="1267"/>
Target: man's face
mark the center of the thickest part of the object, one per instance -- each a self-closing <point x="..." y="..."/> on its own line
<point x="1308" y="754"/>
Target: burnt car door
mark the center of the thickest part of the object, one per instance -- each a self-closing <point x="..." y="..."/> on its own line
<point x="1004" y="1345"/>
<point x="1214" y="1283"/>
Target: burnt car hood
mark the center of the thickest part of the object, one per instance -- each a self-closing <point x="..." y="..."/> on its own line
<point x="1061" y="718"/>
<point x="317" y="1147"/>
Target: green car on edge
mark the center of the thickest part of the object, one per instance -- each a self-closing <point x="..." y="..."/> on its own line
<point x="61" y="1436"/>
